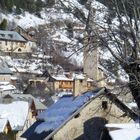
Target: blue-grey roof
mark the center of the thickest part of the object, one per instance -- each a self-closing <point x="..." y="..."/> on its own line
<point x="57" y="114"/>
<point x="27" y="97"/>
<point x="4" y="69"/>
<point x="29" y="134"/>
<point x="11" y="35"/>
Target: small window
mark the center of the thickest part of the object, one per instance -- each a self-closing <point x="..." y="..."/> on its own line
<point x="77" y="116"/>
<point x="19" y="50"/>
<point x="104" y="105"/>
<point x="81" y="81"/>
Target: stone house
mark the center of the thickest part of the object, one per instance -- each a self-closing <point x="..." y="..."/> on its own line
<point x="66" y="118"/>
<point x="82" y="84"/>
<point x="76" y="83"/>
<point x="28" y="36"/>
<point x="13" y="42"/>
<point x="63" y="83"/>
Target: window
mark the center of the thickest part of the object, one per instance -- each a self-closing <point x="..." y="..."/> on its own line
<point x="6" y="43"/>
<point x="77" y="116"/>
<point x="104" y="105"/>
<point x="19" y="50"/>
<point x="81" y="81"/>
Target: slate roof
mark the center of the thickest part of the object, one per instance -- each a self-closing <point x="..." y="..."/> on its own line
<point x="26" y="97"/>
<point x="11" y="35"/>
<point x="53" y="118"/>
<point x="38" y="104"/>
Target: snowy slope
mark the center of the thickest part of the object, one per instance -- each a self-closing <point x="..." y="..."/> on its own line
<point x="59" y="33"/>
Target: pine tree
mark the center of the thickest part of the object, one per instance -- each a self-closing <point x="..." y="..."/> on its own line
<point x="50" y="3"/>
<point x="39" y="5"/>
<point x="3" y="24"/>
<point x="9" y="5"/>
<point x="83" y="2"/>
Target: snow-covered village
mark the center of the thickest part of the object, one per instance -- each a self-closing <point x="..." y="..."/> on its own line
<point x="70" y="70"/>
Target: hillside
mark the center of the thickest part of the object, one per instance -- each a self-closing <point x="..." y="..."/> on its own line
<point x="59" y="33"/>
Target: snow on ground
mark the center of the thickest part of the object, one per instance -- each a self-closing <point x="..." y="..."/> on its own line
<point x="15" y="113"/>
<point x="128" y="131"/>
<point x="76" y="58"/>
<point x="23" y="65"/>
<point x="62" y="77"/>
<point x="60" y="37"/>
<point x="27" y="19"/>
<point x="126" y="134"/>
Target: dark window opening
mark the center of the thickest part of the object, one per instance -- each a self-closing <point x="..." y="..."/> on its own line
<point x="81" y="81"/>
<point x="19" y="50"/>
<point x="10" y="35"/>
<point x="104" y="105"/>
<point x="77" y="116"/>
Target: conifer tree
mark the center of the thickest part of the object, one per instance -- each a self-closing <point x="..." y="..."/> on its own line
<point x="3" y="24"/>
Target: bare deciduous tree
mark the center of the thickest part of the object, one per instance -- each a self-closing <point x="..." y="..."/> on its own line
<point x="120" y="34"/>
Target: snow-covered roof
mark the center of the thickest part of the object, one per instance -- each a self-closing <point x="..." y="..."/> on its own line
<point x="27" y="97"/>
<point x="11" y="35"/>
<point x="7" y="87"/>
<point x="122" y="125"/>
<point x="13" y="78"/>
<point x="62" y="78"/>
<point x="63" y="93"/>
<point x="132" y="104"/>
<point x="61" y="38"/>
<point x="3" y="123"/>
<point x="15" y="112"/>
<point x="90" y="80"/>
<point x="4" y="83"/>
<point x="79" y="76"/>
<point x="19" y="69"/>
<point x="13" y="69"/>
